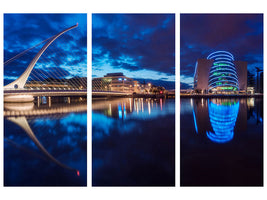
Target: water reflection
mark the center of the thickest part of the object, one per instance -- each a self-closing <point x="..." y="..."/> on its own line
<point x="221" y="142"/>
<point x="133" y="108"/>
<point x="216" y="118"/>
<point x="57" y="106"/>
<point x="52" y="130"/>
<point x="133" y="142"/>
<point x="23" y="123"/>
<point x="223" y="114"/>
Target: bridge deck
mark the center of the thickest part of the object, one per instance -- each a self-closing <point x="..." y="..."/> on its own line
<point x="47" y="92"/>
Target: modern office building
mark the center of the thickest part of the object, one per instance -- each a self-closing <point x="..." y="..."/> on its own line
<point x="115" y="82"/>
<point x="259" y="81"/>
<point x="220" y="73"/>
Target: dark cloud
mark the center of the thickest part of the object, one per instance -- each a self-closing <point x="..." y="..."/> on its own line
<point x="185" y="86"/>
<point x="148" y="40"/>
<point x="22" y="31"/>
<point x="201" y="34"/>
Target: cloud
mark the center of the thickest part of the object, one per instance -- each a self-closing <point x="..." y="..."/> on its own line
<point x="201" y="34"/>
<point x="22" y="31"/>
<point x="147" y="40"/>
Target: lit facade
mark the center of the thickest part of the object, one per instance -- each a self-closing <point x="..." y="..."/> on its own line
<point x="113" y="82"/>
<point x="220" y="73"/>
<point x="201" y="77"/>
<point x="222" y="76"/>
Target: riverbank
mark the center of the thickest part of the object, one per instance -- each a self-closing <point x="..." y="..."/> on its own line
<point x="154" y="96"/>
<point x="221" y="95"/>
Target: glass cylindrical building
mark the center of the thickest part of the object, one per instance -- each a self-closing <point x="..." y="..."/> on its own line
<point x="223" y="76"/>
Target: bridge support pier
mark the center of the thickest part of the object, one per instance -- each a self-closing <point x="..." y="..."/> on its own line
<point x="38" y="101"/>
<point x="49" y="101"/>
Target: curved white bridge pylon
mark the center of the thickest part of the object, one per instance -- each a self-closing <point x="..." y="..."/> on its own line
<point x="20" y="82"/>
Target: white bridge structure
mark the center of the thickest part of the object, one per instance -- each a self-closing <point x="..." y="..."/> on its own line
<point x="17" y="92"/>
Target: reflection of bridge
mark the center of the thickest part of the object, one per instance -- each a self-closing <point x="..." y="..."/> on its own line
<point x="28" y="109"/>
<point x="23" y="123"/>
<point x="17" y="113"/>
<point x="17" y="92"/>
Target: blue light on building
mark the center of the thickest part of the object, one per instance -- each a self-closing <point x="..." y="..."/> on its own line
<point x="223" y="75"/>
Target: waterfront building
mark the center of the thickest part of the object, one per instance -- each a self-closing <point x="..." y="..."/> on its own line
<point x="250" y="90"/>
<point x="220" y="73"/>
<point x="136" y="87"/>
<point x="145" y="88"/>
<point x="259" y="81"/>
<point x="114" y="82"/>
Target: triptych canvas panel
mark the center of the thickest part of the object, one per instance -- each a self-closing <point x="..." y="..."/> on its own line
<point x="133" y="99"/>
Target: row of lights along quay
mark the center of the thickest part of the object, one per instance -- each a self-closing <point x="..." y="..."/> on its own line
<point x="117" y="84"/>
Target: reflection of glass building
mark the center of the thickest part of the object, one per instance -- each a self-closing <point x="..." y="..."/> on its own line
<point x="219" y="119"/>
<point x="223" y="115"/>
<point x="220" y="73"/>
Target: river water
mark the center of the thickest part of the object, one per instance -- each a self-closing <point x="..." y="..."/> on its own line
<point x="221" y="142"/>
<point x="45" y="143"/>
<point x="133" y="142"/>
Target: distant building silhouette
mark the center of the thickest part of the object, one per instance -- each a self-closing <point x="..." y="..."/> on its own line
<point x="259" y="81"/>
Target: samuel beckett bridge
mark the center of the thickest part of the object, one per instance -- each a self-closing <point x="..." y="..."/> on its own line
<point x="40" y="82"/>
<point x="42" y="85"/>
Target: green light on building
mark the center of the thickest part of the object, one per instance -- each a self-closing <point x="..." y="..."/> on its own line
<point x="221" y="64"/>
<point x="227" y="88"/>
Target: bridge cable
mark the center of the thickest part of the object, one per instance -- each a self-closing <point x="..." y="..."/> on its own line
<point x="72" y="80"/>
<point x="23" y="52"/>
<point x="60" y="72"/>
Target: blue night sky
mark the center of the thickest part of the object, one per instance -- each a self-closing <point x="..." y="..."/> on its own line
<point x="201" y="34"/>
<point x="68" y="53"/>
<point x="142" y="46"/>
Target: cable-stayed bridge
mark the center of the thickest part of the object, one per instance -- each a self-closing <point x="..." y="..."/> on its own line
<point x="44" y="82"/>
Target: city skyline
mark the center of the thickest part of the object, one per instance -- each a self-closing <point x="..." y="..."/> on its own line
<point x="142" y="46"/>
<point x="67" y="54"/>
<point x="201" y="34"/>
